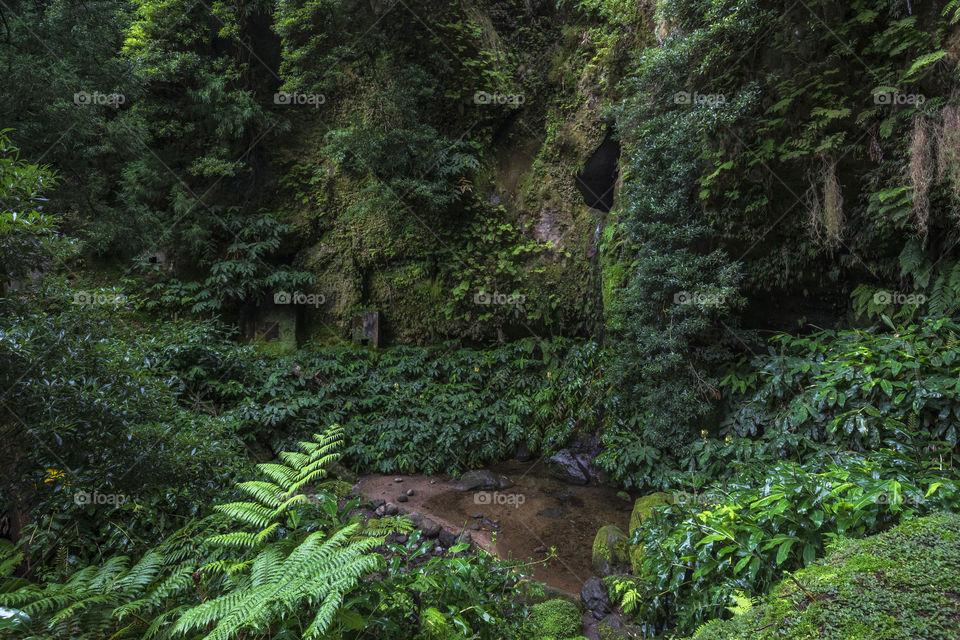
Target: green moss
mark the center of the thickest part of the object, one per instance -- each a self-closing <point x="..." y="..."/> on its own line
<point x="609" y="549"/>
<point x="642" y="507"/>
<point x="556" y="619"/>
<point x="900" y="585"/>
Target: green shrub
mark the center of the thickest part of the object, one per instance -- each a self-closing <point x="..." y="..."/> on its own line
<point x="901" y="585"/>
<point x="556" y="619"/>
<point x="743" y="535"/>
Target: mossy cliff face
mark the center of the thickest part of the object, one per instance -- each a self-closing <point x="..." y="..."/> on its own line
<point x="441" y="169"/>
<point x="902" y="584"/>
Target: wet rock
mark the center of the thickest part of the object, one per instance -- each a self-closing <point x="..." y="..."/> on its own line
<point x="398" y="479"/>
<point x="390" y="509"/>
<point x="567" y="467"/>
<point x="478" y="515"/>
<point x="465" y="536"/>
<point x="447" y="538"/>
<point x="401" y="539"/>
<point x="433" y="482"/>
<point x="478" y="479"/>
<point x="610" y="550"/>
<point x="377" y="503"/>
<point x="402" y="498"/>
<point x="410" y="492"/>
<point x="415" y="518"/>
<point x="379" y="511"/>
<point x="612" y="627"/>
<point x="430" y="528"/>
<point x="594" y="595"/>
<point x="642" y="507"/>
<point x="503" y="482"/>
<point x="475" y="527"/>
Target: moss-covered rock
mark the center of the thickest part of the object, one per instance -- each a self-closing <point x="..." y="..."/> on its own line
<point x="610" y="550"/>
<point x="641" y="511"/>
<point x="641" y="508"/>
<point x="556" y="619"/>
<point x="900" y="585"/>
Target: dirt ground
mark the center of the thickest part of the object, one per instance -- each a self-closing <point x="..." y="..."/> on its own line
<point x="536" y="514"/>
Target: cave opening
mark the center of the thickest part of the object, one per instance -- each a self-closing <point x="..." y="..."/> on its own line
<point x="598" y="178"/>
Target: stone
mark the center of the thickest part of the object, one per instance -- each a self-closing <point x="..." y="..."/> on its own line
<point x="401" y="539"/>
<point x="503" y="482"/>
<point x="447" y="538"/>
<point x="430" y="528"/>
<point x="642" y="506"/>
<point x="415" y="518"/>
<point x="410" y="492"/>
<point x="478" y="515"/>
<point x="475" y="527"/>
<point x="402" y="498"/>
<point x="594" y="595"/>
<point x="566" y="466"/>
<point x="465" y="536"/>
<point x="612" y="627"/>
<point x="390" y="509"/>
<point x="540" y="549"/>
<point x="478" y="479"/>
<point x="379" y="511"/>
<point x="433" y="482"/>
<point x="398" y="479"/>
<point x="377" y="503"/>
<point x="340" y="472"/>
<point x="610" y="550"/>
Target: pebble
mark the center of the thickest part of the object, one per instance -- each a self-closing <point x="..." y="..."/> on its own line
<point x="475" y="527"/>
<point x="398" y="479"/>
<point x="410" y="492"/>
<point x="540" y="549"/>
<point x="390" y="509"/>
<point x="401" y="539"/>
<point x="433" y="482"/>
<point x="478" y="515"/>
<point x="402" y="498"/>
<point x="378" y="503"/>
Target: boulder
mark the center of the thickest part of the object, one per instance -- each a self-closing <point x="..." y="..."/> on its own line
<point x="447" y="538"/>
<point x="610" y="550"/>
<point x="483" y="479"/>
<point x="566" y="466"/>
<point x="642" y="507"/>
<point x="612" y="627"/>
<point x="478" y="479"/>
<point x="594" y="594"/>
<point x="430" y="528"/>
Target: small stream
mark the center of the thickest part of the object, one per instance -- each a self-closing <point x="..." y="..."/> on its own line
<point x="522" y="522"/>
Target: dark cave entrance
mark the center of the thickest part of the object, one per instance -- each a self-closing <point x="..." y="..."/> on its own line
<point x="598" y="178"/>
